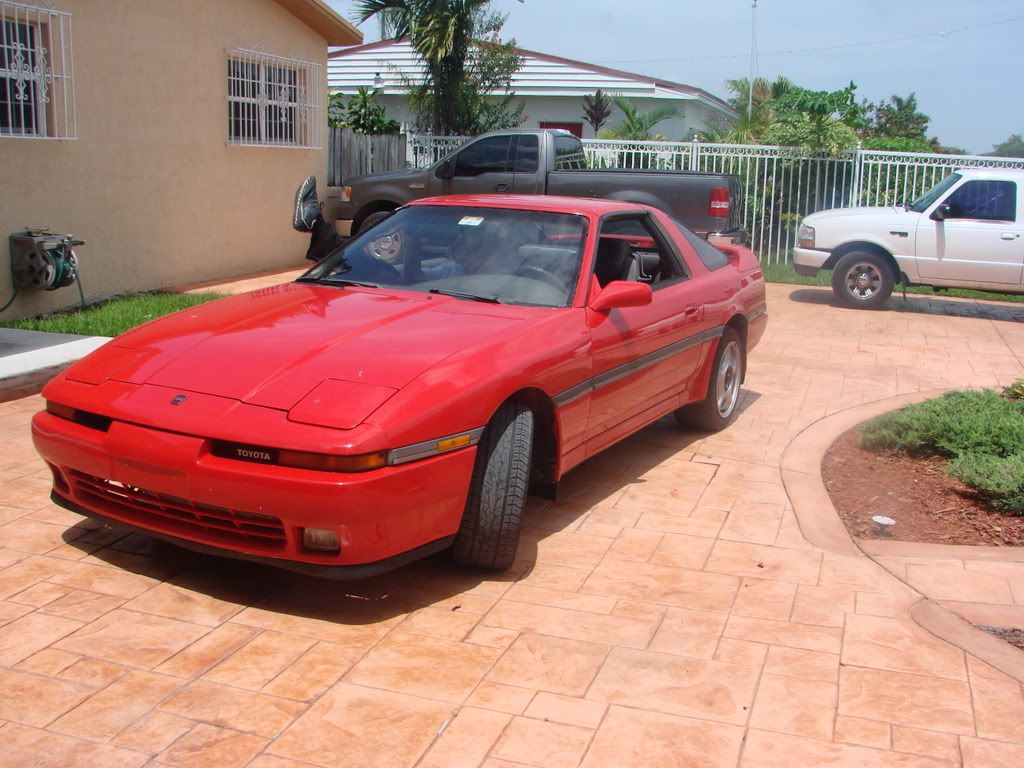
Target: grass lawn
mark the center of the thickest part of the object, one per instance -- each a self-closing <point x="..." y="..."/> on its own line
<point x="109" y="318"/>
<point x="784" y="273"/>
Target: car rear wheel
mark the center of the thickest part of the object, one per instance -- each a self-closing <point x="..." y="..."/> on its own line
<point x="720" y="405"/>
<point x="489" y="534"/>
<point x="862" y="280"/>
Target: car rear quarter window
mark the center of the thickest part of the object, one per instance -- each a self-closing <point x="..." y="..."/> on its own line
<point x="710" y="257"/>
<point x="569" y="154"/>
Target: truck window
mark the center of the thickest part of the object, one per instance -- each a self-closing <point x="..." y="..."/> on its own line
<point x="526" y="153"/>
<point x="488" y="155"/>
<point x="569" y="154"/>
<point x="985" y="201"/>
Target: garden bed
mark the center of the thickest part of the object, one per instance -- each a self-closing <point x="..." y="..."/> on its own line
<point x="927" y="504"/>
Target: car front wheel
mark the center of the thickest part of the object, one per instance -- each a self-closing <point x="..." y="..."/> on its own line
<point x="720" y="405"/>
<point x="862" y="280"/>
<point x="489" y="534"/>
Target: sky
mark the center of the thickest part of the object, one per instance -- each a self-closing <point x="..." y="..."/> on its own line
<point x="964" y="60"/>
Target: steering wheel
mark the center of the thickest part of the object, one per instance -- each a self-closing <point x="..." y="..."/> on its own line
<point x="539" y="273"/>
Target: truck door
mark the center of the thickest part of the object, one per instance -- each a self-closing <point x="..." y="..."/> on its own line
<point x="482" y="166"/>
<point x="979" y="241"/>
<point x="526" y="165"/>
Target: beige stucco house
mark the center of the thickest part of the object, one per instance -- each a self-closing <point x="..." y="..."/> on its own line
<point x="168" y="134"/>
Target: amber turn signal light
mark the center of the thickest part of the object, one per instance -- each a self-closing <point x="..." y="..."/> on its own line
<point x="60" y="411"/>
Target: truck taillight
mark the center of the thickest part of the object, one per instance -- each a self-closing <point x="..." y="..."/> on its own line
<point x="719" y="203"/>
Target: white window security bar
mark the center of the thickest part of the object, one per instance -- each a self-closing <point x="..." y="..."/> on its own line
<point x="37" y="84"/>
<point x="274" y="100"/>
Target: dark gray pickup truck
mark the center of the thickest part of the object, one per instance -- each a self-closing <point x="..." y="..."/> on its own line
<point x="545" y="163"/>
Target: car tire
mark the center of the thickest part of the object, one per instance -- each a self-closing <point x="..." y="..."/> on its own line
<point x="489" y="533"/>
<point x="372" y="220"/>
<point x="863" y="280"/>
<point x="721" y="403"/>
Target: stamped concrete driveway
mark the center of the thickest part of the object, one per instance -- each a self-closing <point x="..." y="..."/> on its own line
<point x="666" y="612"/>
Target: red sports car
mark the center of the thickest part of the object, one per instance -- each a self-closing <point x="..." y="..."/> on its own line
<point x="405" y="394"/>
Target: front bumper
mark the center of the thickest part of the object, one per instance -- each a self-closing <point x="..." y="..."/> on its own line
<point x="807" y="261"/>
<point x="171" y="486"/>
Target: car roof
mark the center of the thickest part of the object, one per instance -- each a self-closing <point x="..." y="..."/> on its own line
<point x="990" y="173"/>
<point x="585" y="206"/>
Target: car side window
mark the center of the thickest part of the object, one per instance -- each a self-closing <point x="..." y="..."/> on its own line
<point x="488" y="155"/>
<point x="629" y="248"/>
<point x="526" y="154"/>
<point x="984" y="200"/>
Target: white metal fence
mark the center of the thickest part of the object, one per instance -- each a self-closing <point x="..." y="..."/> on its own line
<point x="781" y="185"/>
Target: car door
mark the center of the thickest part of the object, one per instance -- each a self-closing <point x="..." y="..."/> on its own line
<point x="482" y="166"/>
<point x="643" y="357"/>
<point x="979" y="238"/>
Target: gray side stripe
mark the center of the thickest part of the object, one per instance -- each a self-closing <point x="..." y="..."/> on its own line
<point x="757" y="312"/>
<point x="651" y="358"/>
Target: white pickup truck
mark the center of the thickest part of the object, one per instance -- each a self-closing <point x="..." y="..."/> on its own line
<point x="965" y="232"/>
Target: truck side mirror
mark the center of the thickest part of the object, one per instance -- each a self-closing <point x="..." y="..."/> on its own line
<point x="445" y="170"/>
<point x="942" y="213"/>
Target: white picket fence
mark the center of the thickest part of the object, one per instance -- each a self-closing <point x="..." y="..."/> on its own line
<point x="781" y="185"/>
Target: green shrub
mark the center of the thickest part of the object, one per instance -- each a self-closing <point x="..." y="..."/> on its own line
<point x="1015" y="391"/>
<point x="982" y="432"/>
<point x="1000" y="478"/>
<point x="956" y="423"/>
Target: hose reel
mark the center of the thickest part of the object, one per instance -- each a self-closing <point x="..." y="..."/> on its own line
<point x="43" y="260"/>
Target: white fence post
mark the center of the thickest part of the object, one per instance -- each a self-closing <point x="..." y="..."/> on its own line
<point x="694" y="153"/>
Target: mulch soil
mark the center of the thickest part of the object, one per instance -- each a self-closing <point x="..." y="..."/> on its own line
<point x="1014" y="637"/>
<point x="927" y="505"/>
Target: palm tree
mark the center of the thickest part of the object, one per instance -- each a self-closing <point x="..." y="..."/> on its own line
<point x="597" y="109"/>
<point x="637" y="125"/>
<point x="440" y="31"/>
<point x="751" y="124"/>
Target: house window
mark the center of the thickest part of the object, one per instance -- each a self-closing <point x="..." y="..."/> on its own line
<point x="37" y="95"/>
<point x="274" y="101"/>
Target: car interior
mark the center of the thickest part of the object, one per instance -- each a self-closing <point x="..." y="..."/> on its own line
<point x="628" y="250"/>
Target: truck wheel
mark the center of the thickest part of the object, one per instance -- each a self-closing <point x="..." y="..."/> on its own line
<point x="720" y="405"/>
<point x="862" y="280"/>
<point x="372" y="220"/>
<point x="489" y="533"/>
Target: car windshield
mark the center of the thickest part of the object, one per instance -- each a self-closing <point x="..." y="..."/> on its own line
<point x="483" y="254"/>
<point x="924" y="201"/>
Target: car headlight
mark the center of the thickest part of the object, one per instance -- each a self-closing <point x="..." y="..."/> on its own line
<point x="805" y="238"/>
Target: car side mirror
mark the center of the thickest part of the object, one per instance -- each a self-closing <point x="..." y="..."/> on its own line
<point x="445" y="170"/>
<point x="943" y="212"/>
<point x="622" y="293"/>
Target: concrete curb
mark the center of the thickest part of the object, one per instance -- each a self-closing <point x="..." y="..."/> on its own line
<point x="25" y="373"/>
<point x="821" y="526"/>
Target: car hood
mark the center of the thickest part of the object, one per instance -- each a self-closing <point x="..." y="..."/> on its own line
<point x="275" y="346"/>
<point x="881" y="215"/>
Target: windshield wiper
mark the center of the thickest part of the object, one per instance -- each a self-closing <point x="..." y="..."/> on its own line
<point x="470" y="296"/>
<point x="333" y="280"/>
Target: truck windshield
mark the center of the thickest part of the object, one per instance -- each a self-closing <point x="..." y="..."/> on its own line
<point x="924" y="201"/>
<point x="483" y="254"/>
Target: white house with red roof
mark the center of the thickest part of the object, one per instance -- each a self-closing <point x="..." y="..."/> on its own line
<point x="551" y="87"/>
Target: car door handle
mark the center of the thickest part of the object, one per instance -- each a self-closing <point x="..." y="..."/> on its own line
<point x="694" y="313"/>
<point x="1009" y="236"/>
<point x="501" y="187"/>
